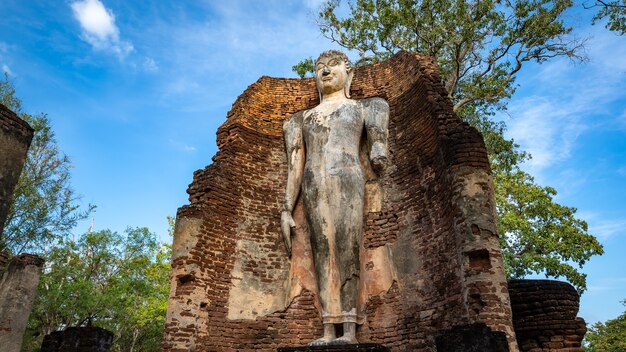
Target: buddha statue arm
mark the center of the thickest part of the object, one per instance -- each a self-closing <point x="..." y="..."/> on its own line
<point x="376" y="111"/>
<point x="294" y="146"/>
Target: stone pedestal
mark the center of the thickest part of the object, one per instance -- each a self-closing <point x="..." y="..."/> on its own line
<point x="361" y="347"/>
<point x="472" y="338"/>
<point x="81" y="339"/>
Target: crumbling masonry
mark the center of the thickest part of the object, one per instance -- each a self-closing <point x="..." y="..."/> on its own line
<point x="432" y="258"/>
<point x="19" y="276"/>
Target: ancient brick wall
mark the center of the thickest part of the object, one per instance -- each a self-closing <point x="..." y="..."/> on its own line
<point x="15" y="137"/>
<point x="430" y="247"/>
<point x="544" y="316"/>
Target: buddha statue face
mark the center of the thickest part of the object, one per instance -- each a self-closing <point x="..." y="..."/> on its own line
<point x="333" y="73"/>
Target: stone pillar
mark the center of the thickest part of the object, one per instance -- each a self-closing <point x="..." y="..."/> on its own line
<point x="19" y="276"/>
<point x="544" y="316"/>
<point x="18" y="284"/>
<point x="15" y="138"/>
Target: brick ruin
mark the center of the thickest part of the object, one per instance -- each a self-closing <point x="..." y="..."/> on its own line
<point x="430" y="249"/>
<point x="15" y="137"/>
<point x="544" y="316"/>
<point x="19" y="276"/>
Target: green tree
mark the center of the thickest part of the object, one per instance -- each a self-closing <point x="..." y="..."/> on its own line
<point x="304" y="67"/>
<point x="117" y="282"/>
<point x="481" y="46"/>
<point x="607" y="337"/>
<point x="613" y="11"/>
<point x="45" y="207"/>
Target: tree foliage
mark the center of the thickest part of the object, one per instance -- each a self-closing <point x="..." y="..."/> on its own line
<point x="613" y="11"/>
<point x="304" y="67"/>
<point x="607" y="337"/>
<point x="540" y="234"/>
<point x="117" y="282"/>
<point x="481" y="46"/>
<point x="45" y="207"/>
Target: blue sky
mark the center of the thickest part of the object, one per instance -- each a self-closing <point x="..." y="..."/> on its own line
<point x="136" y="90"/>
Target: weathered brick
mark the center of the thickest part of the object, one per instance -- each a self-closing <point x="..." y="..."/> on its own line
<point x="435" y="190"/>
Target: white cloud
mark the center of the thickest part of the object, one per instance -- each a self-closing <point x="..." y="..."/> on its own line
<point x="150" y="65"/>
<point x="7" y="70"/>
<point x="211" y="61"/>
<point x="621" y="120"/>
<point x="177" y="145"/>
<point x="575" y="178"/>
<point x="563" y="101"/>
<point x="547" y="128"/>
<point x="606" y="284"/>
<point x="314" y="4"/>
<point x="4" y="49"/>
<point x="608" y="50"/>
<point x="605" y="229"/>
<point x="99" y="28"/>
<point x="622" y="171"/>
<point x="601" y="226"/>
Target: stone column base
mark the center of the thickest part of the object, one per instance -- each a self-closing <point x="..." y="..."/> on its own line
<point x="472" y="337"/>
<point x="78" y="339"/>
<point x="361" y="347"/>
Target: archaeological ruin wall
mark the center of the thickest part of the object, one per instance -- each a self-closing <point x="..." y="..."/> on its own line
<point x="15" y="137"/>
<point x="430" y="252"/>
<point x="19" y="275"/>
<point x="545" y="316"/>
